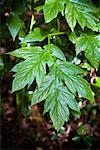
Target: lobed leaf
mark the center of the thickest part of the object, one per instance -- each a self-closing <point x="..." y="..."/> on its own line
<point x="58" y="100"/>
<point x="69" y="73"/>
<point x="81" y="12"/>
<point x="33" y="67"/>
<point x="52" y="8"/>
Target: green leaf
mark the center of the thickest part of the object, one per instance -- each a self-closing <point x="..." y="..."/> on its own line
<point x="33" y="67"/>
<point x="98" y="27"/>
<point x="91" y="45"/>
<point x="68" y="68"/>
<point x="58" y="100"/>
<point x="81" y="130"/>
<point x="42" y="93"/>
<point x="52" y="8"/>
<point x="73" y="37"/>
<point x="39" y="8"/>
<point x="1" y="63"/>
<point x="93" y="56"/>
<point x="35" y="35"/>
<point x="65" y="94"/>
<point x="70" y="14"/>
<point x="14" y="25"/>
<point x="19" y="7"/>
<point x="97" y="82"/>
<point x="28" y="52"/>
<point x="78" y="85"/>
<point x="80" y="12"/>
<point x="27" y="71"/>
<point x="56" y="51"/>
<point x="69" y="73"/>
<point x="59" y="111"/>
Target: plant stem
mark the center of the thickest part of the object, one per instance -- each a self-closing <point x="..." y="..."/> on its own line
<point x="19" y="116"/>
<point x="32" y="23"/>
<point x="58" y="24"/>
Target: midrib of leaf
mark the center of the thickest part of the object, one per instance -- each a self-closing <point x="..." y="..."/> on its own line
<point x="55" y="81"/>
<point x="56" y="102"/>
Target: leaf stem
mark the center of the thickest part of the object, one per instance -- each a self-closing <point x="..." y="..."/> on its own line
<point x="19" y="117"/>
<point x="58" y="24"/>
<point x="32" y="23"/>
<point x="49" y="36"/>
<point x="58" y="33"/>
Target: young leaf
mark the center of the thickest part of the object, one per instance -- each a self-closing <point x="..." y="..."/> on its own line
<point x="14" y="25"/>
<point x="39" y="8"/>
<point x="81" y="12"/>
<point x="34" y="36"/>
<point x="52" y="8"/>
<point x="56" y="51"/>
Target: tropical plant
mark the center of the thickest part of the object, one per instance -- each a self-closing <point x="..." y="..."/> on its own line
<point x="45" y="54"/>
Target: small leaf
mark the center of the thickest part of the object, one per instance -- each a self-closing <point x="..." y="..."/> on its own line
<point x="25" y="75"/>
<point x="56" y="51"/>
<point x="1" y="64"/>
<point x="93" y="56"/>
<point x="34" y="36"/>
<point x="14" y="25"/>
<point x="97" y="82"/>
<point x="73" y="37"/>
<point x="39" y="8"/>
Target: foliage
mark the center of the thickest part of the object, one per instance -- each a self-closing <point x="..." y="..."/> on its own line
<point x="43" y="54"/>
